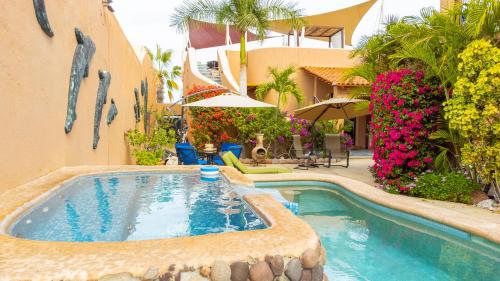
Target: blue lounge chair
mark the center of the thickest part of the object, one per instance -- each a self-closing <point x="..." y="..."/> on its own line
<point x="186" y="154"/>
<point x="225" y="147"/>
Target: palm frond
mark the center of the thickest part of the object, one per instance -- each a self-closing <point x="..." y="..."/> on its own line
<point x="440" y="135"/>
<point x="200" y="10"/>
<point x="442" y="162"/>
<point x="263" y="89"/>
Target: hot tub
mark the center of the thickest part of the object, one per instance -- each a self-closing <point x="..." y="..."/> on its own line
<point x="136" y="206"/>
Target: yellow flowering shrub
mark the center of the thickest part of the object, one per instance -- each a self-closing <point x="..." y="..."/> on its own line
<point x="474" y="108"/>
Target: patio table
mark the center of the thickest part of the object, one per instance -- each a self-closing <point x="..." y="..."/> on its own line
<point x="209" y="155"/>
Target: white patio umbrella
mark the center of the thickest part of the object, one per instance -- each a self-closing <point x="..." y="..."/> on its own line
<point x="334" y="108"/>
<point x="228" y="100"/>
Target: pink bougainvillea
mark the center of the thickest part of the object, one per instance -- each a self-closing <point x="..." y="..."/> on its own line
<point x="404" y="107"/>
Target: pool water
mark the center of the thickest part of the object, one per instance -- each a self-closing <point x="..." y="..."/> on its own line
<point x="363" y="243"/>
<point x="137" y="206"/>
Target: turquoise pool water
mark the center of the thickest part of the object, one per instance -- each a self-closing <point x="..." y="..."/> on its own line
<point x="365" y="241"/>
<point x="137" y="206"/>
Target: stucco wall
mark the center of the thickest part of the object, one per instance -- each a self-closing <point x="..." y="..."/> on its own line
<point x="35" y="79"/>
<point x="259" y="61"/>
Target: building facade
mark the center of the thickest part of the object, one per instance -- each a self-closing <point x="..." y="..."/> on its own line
<point x="320" y="70"/>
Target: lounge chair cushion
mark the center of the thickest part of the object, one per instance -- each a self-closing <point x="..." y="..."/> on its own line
<point x="231" y="160"/>
<point x="226" y="146"/>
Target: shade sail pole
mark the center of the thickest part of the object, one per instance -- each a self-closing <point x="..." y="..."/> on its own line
<point x="228" y="37"/>
<point x="345" y="113"/>
<point x="320" y="115"/>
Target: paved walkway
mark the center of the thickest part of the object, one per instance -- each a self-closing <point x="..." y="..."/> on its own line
<point x="358" y="170"/>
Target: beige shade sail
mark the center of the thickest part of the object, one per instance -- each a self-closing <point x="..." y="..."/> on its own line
<point x="334" y="108"/>
<point x="229" y="100"/>
<point x="346" y="19"/>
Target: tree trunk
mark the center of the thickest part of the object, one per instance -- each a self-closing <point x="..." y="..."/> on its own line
<point x="243" y="65"/>
<point x="275" y="149"/>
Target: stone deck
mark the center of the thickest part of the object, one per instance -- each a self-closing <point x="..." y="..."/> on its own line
<point x="22" y="259"/>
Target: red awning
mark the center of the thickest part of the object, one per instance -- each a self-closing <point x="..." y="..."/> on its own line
<point x="207" y="35"/>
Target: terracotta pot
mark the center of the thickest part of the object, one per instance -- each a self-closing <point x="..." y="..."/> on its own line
<point x="259" y="152"/>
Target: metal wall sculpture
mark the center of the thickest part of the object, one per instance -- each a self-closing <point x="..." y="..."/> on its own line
<point x="102" y="93"/>
<point x="80" y="68"/>
<point x="41" y="17"/>
<point x="112" y="112"/>
<point x="137" y="106"/>
<point x="144" y="93"/>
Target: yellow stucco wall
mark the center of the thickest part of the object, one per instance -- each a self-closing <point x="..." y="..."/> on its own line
<point x="34" y="82"/>
<point x="259" y="60"/>
<point x="448" y="4"/>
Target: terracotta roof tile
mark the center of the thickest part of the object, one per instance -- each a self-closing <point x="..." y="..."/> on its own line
<point x="335" y="76"/>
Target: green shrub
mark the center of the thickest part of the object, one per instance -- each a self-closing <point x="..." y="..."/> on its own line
<point x="148" y="149"/>
<point x="454" y="187"/>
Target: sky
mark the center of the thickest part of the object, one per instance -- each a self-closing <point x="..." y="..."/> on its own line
<point x="146" y="22"/>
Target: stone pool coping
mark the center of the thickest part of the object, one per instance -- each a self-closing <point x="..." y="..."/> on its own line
<point x="22" y="259"/>
<point x="473" y="220"/>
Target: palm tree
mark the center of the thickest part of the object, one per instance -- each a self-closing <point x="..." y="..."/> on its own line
<point x="243" y="15"/>
<point x="164" y="76"/>
<point x="483" y="19"/>
<point x="282" y="84"/>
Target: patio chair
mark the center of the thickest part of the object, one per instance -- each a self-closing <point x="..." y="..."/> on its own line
<point x="306" y="160"/>
<point x="186" y="155"/>
<point x="336" y="151"/>
<point x="228" y="146"/>
<point x="230" y="160"/>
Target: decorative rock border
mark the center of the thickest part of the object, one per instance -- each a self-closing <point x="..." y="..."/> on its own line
<point x="307" y="267"/>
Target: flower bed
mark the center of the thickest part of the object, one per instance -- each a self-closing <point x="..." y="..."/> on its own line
<point x="216" y="125"/>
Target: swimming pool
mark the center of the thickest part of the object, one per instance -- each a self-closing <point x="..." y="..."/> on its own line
<point x="366" y="241"/>
<point x="136" y="206"/>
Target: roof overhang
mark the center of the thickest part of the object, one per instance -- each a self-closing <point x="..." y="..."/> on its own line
<point x="335" y="76"/>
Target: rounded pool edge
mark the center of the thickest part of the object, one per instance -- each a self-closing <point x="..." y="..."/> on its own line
<point x="436" y="225"/>
<point x="480" y="227"/>
<point x="29" y="223"/>
<point x="25" y="259"/>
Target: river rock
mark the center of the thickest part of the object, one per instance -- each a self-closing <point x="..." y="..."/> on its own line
<point x="220" y="271"/>
<point x="167" y="276"/>
<point x="486" y="204"/>
<point x="306" y="275"/>
<point x="322" y="256"/>
<point x="309" y="258"/>
<point x="317" y="273"/>
<point x="325" y="278"/>
<point x="281" y="278"/>
<point x="293" y="270"/>
<point x="239" y="271"/>
<point x="123" y="276"/>
<point x="205" y="271"/>
<point x="276" y="263"/>
<point x="478" y="196"/>
<point x="261" y="272"/>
